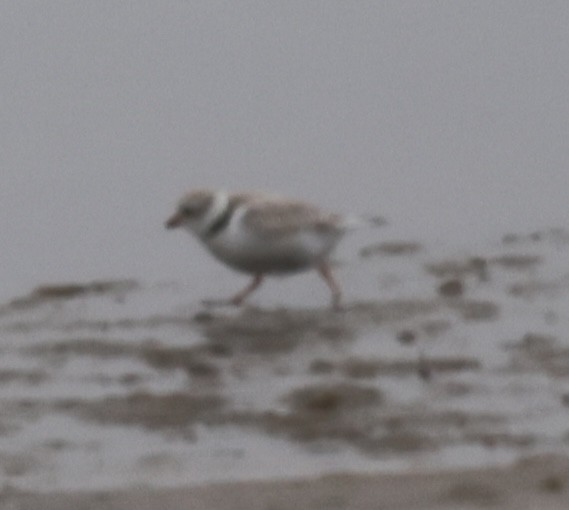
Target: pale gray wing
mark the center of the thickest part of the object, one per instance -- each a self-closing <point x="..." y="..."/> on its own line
<point x="280" y="218"/>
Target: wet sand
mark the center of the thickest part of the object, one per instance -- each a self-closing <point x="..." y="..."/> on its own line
<point x="444" y="367"/>
<point x="538" y="483"/>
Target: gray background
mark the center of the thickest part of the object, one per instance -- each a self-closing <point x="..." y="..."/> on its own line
<point x="448" y="117"/>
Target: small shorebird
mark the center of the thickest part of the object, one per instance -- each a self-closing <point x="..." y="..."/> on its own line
<point x="262" y="234"/>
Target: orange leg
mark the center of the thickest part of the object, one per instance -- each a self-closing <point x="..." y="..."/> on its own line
<point x="325" y="272"/>
<point x="240" y="297"/>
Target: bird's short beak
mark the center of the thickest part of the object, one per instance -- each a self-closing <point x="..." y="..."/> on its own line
<point x="174" y="221"/>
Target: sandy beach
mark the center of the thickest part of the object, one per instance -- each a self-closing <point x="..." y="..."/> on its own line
<point x="538" y="483"/>
<point x="448" y="389"/>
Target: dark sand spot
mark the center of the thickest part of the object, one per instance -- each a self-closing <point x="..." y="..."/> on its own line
<point x="100" y="326"/>
<point x="203" y="316"/>
<point x="553" y="484"/>
<point x="21" y="409"/>
<point x="131" y="379"/>
<point x="365" y="368"/>
<point x="458" y="269"/>
<point x="395" y="248"/>
<point x="457" y="389"/>
<point x="536" y="288"/>
<point x="535" y="343"/>
<point x="540" y="352"/>
<point x="332" y="399"/>
<point x="61" y="292"/>
<point x="360" y="368"/>
<point x="193" y="360"/>
<point x="446" y="427"/>
<point x="511" y="238"/>
<point x="435" y="327"/>
<point x="441" y="420"/>
<point x="391" y="311"/>
<point x="424" y="370"/>
<point x="148" y="323"/>
<point x="556" y="236"/>
<point x="173" y="411"/>
<point x="473" y="494"/>
<point x="502" y="439"/>
<point x="354" y="416"/>
<point x="339" y="413"/>
<point x="377" y="221"/>
<point x="472" y="310"/>
<point x="321" y="367"/>
<point x="158" y="462"/>
<point x="517" y="262"/>
<point x="406" y="336"/>
<point x="32" y="377"/>
<point x="276" y="332"/>
<point x="91" y="347"/>
<point x="58" y="445"/>
<point x="451" y="288"/>
<point x="15" y="465"/>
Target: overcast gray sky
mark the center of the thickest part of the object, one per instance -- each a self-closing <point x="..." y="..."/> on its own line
<point x="443" y="115"/>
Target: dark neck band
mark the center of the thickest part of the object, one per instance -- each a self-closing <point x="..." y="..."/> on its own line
<point x="220" y="222"/>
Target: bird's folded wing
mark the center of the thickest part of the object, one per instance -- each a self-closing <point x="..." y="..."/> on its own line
<point x="276" y="218"/>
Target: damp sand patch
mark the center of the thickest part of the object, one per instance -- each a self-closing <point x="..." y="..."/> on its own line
<point x="194" y="360"/>
<point x="66" y="291"/>
<point x="391" y="249"/>
<point x="360" y="368"/>
<point x="176" y="412"/>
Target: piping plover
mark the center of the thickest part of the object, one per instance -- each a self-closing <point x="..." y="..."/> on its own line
<point x="262" y="234"/>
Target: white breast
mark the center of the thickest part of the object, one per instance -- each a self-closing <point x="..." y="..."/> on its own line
<point x="243" y="249"/>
